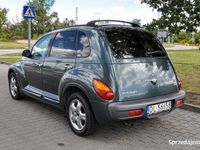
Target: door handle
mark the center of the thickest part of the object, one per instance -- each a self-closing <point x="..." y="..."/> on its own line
<point x="68" y="67"/>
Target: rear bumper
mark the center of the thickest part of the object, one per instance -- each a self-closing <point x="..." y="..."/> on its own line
<point x="119" y="110"/>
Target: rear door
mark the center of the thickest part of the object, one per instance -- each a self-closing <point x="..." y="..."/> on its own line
<point x="60" y="60"/>
<point x="142" y="67"/>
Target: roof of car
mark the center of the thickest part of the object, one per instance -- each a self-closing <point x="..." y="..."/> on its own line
<point x="93" y="25"/>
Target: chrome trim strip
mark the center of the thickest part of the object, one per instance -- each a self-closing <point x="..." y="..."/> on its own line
<point x="49" y="99"/>
<point x="30" y="92"/>
<point x="40" y="95"/>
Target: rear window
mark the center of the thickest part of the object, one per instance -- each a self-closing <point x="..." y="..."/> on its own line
<point x="133" y="43"/>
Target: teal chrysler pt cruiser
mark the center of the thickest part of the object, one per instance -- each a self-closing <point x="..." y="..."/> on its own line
<point x="106" y="70"/>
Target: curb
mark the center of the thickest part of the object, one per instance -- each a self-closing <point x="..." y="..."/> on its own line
<point x="5" y="63"/>
<point x="190" y="107"/>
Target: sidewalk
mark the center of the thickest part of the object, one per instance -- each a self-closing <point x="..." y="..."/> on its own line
<point x="10" y="51"/>
<point x="182" y="47"/>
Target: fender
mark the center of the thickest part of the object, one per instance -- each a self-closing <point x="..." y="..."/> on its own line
<point x="18" y="70"/>
<point x="82" y="78"/>
<point x="70" y="80"/>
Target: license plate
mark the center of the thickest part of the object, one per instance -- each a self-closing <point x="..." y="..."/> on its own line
<point x="157" y="108"/>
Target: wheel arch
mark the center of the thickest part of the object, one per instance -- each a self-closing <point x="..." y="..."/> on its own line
<point x="68" y="90"/>
<point x="11" y="70"/>
<point x="72" y="88"/>
<point x="18" y="72"/>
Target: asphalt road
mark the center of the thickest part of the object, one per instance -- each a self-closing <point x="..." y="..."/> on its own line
<point x="31" y="125"/>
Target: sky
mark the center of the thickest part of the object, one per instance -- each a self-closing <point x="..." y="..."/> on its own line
<point x="126" y="10"/>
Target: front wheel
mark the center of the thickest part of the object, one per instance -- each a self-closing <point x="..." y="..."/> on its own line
<point x="80" y="116"/>
<point x="14" y="86"/>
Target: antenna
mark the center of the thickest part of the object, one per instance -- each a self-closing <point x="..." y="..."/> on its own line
<point x="76" y="17"/>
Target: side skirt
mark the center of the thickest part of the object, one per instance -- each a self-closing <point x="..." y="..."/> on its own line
<point x="37" y="94"/>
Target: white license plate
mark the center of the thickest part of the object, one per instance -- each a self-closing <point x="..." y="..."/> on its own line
<point x="157" y="108"/>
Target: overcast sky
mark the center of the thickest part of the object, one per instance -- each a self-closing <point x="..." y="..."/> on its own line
<point x="89" y="10"/>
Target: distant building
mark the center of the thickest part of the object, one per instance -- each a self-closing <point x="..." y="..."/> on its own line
<point x="164" y="36"/>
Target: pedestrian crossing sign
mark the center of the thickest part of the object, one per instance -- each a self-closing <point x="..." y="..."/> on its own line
<point x="29" y="12"/>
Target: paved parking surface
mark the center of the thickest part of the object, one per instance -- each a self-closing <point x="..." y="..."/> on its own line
<point x="31" y="125"/>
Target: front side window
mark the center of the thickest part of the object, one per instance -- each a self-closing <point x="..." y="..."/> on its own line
<point x="40" y="48"/>
<point x="64" y="44"/>
<point x="133" y="43"/>
<point x="83" y="46"/>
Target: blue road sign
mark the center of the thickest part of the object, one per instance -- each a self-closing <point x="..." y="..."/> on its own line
<point x="29" y="12"/>
<point x="193" y="36"/>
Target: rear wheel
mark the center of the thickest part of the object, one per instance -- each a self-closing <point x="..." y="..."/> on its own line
<point x="80" y="116"/>
<point x="14" y="86"/>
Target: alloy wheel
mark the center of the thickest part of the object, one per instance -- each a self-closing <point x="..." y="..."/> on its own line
<point x="13" y="86"/>
<point x="77" y="114"/>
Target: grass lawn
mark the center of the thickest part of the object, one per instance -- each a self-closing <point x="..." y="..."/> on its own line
<point x="185" y="56"/>
<point x="187" y="65"/>
<point x="20" y="44"/>
<point x="12" y="45"/>
<point x="186" y="62"/>
<point x="9" y="60"/>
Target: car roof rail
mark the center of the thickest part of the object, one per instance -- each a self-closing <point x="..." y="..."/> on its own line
<point x="93" y="22"/>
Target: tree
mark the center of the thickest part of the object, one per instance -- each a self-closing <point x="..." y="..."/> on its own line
<point x="176" y="15"/>
<point x="65" y="23"/>
<point x="3" y="17"/>
<point x="44" y="21"/>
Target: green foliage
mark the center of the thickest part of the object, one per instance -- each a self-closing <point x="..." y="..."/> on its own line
<point x="12" y="31"/>
<point x="44" y="22"/>
<point x="176" y="15"/>
<point x="186" y="38"/>
<point x="3" y="21"/>
<point x="3" y="18"/>
<point x="45" y="5"/>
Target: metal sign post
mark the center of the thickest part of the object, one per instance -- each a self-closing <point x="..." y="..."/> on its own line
<point x="29" y="13"/>
<point x="29" y="34"/>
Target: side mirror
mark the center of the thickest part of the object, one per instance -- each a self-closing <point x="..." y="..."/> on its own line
<point x="26" y="53"/>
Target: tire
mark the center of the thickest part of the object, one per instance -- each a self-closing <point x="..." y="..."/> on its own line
<point x="14" y="87"/>
<point x="80" y="115"/>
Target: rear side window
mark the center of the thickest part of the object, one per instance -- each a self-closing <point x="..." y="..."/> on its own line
<point x="133" y="43"/>
<point x="64" y="44"/>
<point x="83" y="45"/>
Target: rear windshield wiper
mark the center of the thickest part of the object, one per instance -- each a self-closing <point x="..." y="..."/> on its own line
<point x="155" y="52"/>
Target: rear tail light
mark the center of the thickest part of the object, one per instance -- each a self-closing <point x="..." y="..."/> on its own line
<point x="179" y="84"/>
<point x="179" y="103"/>
<point x="104" y="91"/>
<point x="136" y="112"/>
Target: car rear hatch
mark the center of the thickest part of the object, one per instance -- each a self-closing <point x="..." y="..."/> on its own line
<point x="141" y="65"/>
